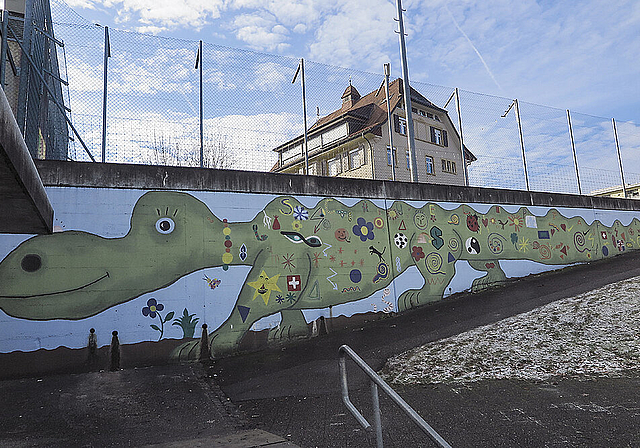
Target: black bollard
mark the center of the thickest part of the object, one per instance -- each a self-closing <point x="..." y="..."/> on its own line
<point x="204" y="345"/>
<point x="115" y="352"/>
<point x="93" y="348"/>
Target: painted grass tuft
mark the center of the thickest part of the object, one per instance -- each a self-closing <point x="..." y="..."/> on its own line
<point x="596" y="333"/>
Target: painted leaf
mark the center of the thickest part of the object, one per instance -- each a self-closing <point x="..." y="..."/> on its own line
<point x="155" y="327"/>
<point x="169" y="316"/>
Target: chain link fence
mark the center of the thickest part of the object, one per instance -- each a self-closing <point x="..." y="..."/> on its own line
<point x="250" y="106"/>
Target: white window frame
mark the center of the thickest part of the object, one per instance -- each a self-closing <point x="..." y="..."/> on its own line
<point x="395" y="156"/>
<point x="429" y="162"/>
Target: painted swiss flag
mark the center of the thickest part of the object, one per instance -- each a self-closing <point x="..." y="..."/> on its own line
<point x="294" y="283"/>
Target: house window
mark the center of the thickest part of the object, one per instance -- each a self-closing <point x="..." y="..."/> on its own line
<point x="421" y="112"/>
<point x="400" y="125"/>
<point x="408" y="160"/>
<point x="439" y="136"/>
<point x="429" y="164"/>
<point x="448" y="166"/>
<point x="429" y="115"/>
<point x="414" y="110"/>
<point x="356" y="158"/>
<point x="395" y="159"/>
<point x="435" y="117"/>
<point x="335" y="166"/>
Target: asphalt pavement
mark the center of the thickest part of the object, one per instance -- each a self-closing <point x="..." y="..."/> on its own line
<point x="289" y="396"/>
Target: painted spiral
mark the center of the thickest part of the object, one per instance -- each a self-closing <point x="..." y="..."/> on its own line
<point x="434" y="263"/>
<point x="453" y="244"/>
<point x="579" y="242"/>
<point x="382" y="272"/>
<point x="455" y="219"/>
<point x="496" y="243"/>
<point x="545" y="252"/>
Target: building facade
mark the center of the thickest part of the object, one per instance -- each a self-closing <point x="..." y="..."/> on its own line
<point x="353" y="141"/>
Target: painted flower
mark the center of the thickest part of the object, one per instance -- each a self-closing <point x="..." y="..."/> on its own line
<point x="363" y="229"/>
<point x="152" y="308"/>
<point x="417" y="253"/>
<point x="300" y="213"/>
<point x="296" y="225"/>
<point x="516" y="221"/>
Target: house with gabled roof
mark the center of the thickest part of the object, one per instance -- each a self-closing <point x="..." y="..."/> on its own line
<point x="353" y="141"/>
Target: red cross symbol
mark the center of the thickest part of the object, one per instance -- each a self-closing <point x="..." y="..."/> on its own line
<point x="294" y="283"/>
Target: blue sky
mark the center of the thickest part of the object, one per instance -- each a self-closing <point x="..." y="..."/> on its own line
<point x="566" y="54"/>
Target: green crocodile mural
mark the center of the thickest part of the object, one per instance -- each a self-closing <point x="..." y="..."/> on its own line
<point x="301" y="258"/>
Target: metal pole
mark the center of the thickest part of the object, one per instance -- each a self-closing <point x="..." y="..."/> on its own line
<point x="407" y="96"/>
<point x="615" y="134"/>
<point x="107" y="55"/>
<point x="304" y="115"/>
<point x="464" y="161"/>
<point x="3" y="46"/>
<point x="61" y="107"/>
<point x="387" y="72"/>
<point x="201" y="109"/>
<point x="376" y="414"/>
<point x="524" y="159"/>
<point x="300" y="70"/>
<point x="573" y="149"/>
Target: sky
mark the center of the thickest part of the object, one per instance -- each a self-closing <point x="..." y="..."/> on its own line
<point x="565" y="54"/>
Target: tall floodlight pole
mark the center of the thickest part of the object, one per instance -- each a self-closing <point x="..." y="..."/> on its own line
<point x="107" y="55"/>
<point x="407" y="97"/>
<point x="615" y="135"/>
<point x="199" y="65"/>
<point x="300" y="70"/>
<point x="387" y="72"/>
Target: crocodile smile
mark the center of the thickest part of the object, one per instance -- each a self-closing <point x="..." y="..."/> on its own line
<point x="31" y="296"/>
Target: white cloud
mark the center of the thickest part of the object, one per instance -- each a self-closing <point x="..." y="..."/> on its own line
<point x="261" y="32"/>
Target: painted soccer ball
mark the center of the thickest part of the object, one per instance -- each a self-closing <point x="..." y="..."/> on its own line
<point x="472" y="245"/>
<point x="401" y="240"/>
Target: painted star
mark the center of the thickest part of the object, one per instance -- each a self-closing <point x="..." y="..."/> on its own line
<point x="264" y="285"/>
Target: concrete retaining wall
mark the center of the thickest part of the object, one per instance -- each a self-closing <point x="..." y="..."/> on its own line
<point x="263" y="259"/>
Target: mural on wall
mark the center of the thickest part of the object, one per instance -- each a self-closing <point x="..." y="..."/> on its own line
<point x="298" y="258"/>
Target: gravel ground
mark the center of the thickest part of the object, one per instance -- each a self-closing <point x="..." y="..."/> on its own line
<point x="596" y="333"/>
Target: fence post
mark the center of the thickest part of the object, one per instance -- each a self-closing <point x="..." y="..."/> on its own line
<point x="3" y="46"/>
<point x="524" y="159"/>
<point x="300" y="70"/>
<point x="615" y="135"/>
<point x="199" y="65"/>
<point x="573" y="150"/>
<point x="107" y="55"/>
<point x="387" y="72"/>
<point x="464" y="161"/>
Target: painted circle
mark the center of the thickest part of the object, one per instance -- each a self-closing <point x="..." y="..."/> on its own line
<point x="31" y="263"/>
<point x="378" y="222"/>
<point x="401" y="240"/>
<point x="355" y="275"/>
<point x="227" y="250"/>
<point x="364" y="230"/>
<point x="165" y="225"/>
<point x="605" y="250"/>
<point x="228" y="243"/>
<point x="226" y="230"/>
<point x="227" y="258"/>
<point x="341" y="234"/>
<point x="472" y="245"/>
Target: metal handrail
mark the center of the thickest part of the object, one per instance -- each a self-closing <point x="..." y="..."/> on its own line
<point x="375" y="382"/>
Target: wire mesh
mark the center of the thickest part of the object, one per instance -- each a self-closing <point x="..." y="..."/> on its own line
<point x="251" y="106"/>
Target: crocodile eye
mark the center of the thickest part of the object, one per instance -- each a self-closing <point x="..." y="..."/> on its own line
<point x="165" y="225"/>
<point x="313" y="241"/>
<point x="31" y="263"/>
<point x="294" y="237"/>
